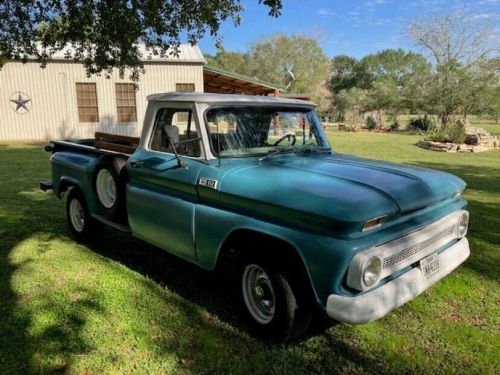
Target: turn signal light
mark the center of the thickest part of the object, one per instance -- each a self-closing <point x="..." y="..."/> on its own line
<point x="372" y="224"/>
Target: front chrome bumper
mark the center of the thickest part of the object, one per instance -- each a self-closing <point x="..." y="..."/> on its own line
<point x="375" y="304"/>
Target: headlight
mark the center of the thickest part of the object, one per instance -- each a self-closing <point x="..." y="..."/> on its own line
<point x="371" y="272"/>
<point x="463" y="224"/>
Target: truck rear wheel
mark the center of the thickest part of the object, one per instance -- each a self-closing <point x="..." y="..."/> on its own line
<point x="81" y="224"/>
<point x="109" y="186"/>
<point x="276" y="309"/>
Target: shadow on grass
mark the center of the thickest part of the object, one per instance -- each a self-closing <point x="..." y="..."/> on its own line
<point x="45" y="330"/>
<point x="27" y="221"/>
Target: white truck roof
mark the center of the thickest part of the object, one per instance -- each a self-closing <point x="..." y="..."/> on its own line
<point x="228" y="99"/>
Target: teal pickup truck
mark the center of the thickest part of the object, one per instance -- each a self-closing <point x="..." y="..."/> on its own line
<point x="252" y="182"/>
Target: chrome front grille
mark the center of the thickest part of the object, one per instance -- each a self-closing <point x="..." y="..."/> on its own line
<point x="420" y="247"/>
<point x="404" y="251"/>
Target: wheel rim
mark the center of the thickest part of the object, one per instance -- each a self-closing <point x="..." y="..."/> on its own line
<point x="258" y="293"/>
<point x="106" y="188"/>
<point x="76" y="215"/>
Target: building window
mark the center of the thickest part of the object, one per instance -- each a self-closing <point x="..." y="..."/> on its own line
<point x="125" y="102"/>
<point x="184" y="87"/>
<point x="86" y="100"/>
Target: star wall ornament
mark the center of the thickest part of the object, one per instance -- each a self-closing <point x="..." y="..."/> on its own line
<point x="20" y="102"/>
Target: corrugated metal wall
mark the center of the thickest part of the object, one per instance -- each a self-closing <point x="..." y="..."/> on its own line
<point x="53" y="110"/>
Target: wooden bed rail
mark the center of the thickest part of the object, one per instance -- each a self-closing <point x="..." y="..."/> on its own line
<point x="115" y="142"/>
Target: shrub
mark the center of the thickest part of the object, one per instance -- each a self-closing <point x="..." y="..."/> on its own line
<point x="370" y="123"/>
<point x="436" y="135"/>
<point x="456" y="133"/>
<point x="453" y="133"/>
<point x="421" y="123"/>
<point x="394" y="126"/>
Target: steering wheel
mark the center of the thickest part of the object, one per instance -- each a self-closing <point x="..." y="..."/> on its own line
<point x="286" y="136"/>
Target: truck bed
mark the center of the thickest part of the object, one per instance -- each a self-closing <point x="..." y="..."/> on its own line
<point x="103" y="143"/>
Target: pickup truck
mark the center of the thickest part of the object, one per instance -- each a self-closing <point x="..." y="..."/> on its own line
<point x="251" y="181"/>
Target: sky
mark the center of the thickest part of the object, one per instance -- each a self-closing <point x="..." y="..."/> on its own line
<point x="351" y="27"/>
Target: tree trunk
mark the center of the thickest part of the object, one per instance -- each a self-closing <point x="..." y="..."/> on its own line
<point x="444" y="120"/>
<point x="379" y="121"/>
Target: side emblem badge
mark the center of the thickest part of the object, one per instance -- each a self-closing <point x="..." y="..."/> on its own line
<point x="212" y="184"/>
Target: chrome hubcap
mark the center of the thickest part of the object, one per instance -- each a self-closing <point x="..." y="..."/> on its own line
<point x="76" y="215"/>
<point x="106" y="188"/>
<point x="258" y="293"/>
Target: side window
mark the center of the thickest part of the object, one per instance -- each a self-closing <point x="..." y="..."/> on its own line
<point x="175" y="128"/>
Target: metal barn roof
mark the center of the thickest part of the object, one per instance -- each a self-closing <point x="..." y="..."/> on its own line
<point x="186" y="53"/>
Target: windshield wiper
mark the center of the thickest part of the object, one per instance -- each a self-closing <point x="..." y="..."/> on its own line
<point x="273" y="153"/>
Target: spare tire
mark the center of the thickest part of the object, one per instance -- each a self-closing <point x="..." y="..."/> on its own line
<point x="109" y="186"/>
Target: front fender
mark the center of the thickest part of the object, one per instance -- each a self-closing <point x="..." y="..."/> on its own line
<point x="325" y="259"/>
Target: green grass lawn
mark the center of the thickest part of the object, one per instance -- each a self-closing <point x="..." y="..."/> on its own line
<point x="120" y="306"/>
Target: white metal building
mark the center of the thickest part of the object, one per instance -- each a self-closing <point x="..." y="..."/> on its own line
<point x="61" y="102"/>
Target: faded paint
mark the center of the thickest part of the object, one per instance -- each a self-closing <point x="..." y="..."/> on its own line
<point x="53" y="111"/>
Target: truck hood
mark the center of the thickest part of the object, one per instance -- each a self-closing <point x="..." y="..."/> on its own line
<point x="338" y="188"/>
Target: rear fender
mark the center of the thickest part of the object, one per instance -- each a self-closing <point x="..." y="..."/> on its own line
<point x="74" y="169"/>
<point x="64" y="184"/>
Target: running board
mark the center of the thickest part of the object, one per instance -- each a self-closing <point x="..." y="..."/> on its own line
<point x="112" y="224"/>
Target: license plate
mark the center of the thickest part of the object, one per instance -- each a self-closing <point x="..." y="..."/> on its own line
<point x="430" y="265"/>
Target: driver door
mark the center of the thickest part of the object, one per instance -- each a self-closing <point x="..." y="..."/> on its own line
<point x="162" y="195"/>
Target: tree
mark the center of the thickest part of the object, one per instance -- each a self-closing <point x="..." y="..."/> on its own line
<point x="396" y="66"/>
<point x="296" y="62"/>
<point x="492" y="106"/>
<point x="491" y="94"/>
<point x="393" y="76"/>
<point x="104" y="34"/>
<point x="348" y="104"/>
<point x="233" y="61"/>
<point x="323" y="99"/>
<point x="346" y="73"/>
<point x="387" y="79"/>
<point x="458" y="44"/>
<point x="457" y="36"/>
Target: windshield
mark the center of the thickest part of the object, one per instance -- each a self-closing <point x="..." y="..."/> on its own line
<point x="245" y="131"/>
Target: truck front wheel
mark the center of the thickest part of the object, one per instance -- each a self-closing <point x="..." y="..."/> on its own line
<point x="81" y="224"/>
<point x="276" y="308"/>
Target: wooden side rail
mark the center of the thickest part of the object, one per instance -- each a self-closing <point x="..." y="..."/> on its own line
<point x="115" y="142"/>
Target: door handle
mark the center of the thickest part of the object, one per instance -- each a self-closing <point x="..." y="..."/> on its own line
<point x="136" y="163"/>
